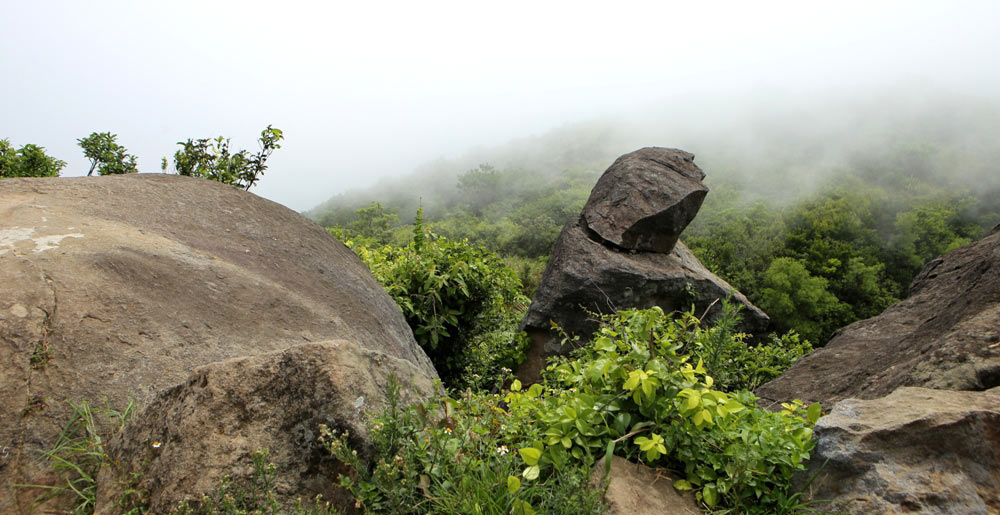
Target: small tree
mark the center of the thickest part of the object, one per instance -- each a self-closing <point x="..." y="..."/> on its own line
<point x="212" y="159"/>
<point x="106" y="155"/>
<point x="28" y="161"/>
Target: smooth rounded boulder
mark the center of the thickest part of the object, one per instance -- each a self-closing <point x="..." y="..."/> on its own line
<point x="120" y="286"/>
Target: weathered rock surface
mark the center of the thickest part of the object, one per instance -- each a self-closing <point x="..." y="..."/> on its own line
<point x="944" y="335"/>
<point x="583" y="274"/>
<point x="122" y="285"/>
<point x="645" y="199"/>
<point x="917" y="450"/>
<point x="623" y="252"/>
<point x="209" y="426"/>
<point x="635" y="489"/>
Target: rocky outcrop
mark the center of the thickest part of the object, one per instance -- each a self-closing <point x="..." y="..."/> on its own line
<point x="585" y="275"/>
<point x="945" y="335"/>
<point x="917" y="450"/>
<point x="645" y="199"/>
<point x="122" y="285"/>
<point x="635" y="489"/>
<point x="609" y="265"/>
<point x="192" y="435"/>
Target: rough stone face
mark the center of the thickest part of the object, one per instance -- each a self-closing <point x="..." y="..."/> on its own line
<point x="210" y="425"/>
<point x="944" y="335"/>
<point x="645" y="199"/>
<point x="122" y="285"/>
<point x="635" y="489"/>
<point x="917" y="450"/>
<point x="583" y="274"/>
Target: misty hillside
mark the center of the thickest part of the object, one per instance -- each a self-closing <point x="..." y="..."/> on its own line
<point x="775" y="151"/>
<point x="821" y="213"/>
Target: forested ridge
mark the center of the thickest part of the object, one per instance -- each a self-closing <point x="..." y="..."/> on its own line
<point x="819" y="225"/>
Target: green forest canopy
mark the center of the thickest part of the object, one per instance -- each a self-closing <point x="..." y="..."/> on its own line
<point x="816" y="242"/>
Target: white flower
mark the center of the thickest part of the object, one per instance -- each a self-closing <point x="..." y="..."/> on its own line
<point x="156" y="445"/>
<point x="502" y="450"/>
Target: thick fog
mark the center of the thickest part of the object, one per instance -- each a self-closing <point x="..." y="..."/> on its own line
<point x="367" y="90"/>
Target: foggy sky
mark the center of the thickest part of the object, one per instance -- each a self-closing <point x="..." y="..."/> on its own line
<point x="368" y="89"/>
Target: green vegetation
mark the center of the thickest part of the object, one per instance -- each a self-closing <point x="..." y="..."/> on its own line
<point x="207" y="158"/>
<point x="106" y="155"/>
<point x="27" y="161"/>
<point x="40" y="357"/>
<point x="843" y="252"/>
<point x="78" y="455"/>
<point x="211" y="159"/>
<point x="462" y="303"/>
<point x="455" y="456"/>
<point x="632" y="391"/>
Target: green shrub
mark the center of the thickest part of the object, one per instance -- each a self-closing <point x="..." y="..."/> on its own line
<point x="462" y="302"/>
<point x="630" y="392"/>
<point x="455" y="456"/>
<point x="27" y="161"/>
<point x="729" y="358"/>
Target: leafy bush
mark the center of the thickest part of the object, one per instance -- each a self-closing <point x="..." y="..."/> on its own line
<point x="796" y="299"/>
<point x="455" y="456"/>
<point x="728" y="357"/>
<point x="212" y="159"/>
<point x="27" y="161"/>
<point x="631" y="383"/>
<point x="462" y="303"/>
<point x="106" y="155"/>
<point x="630" y="392"/>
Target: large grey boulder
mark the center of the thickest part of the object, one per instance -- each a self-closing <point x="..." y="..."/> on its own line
<point x="209" y="426"/>
<point x="917" y="450"/>
<point x="645" y="199"/>
<point x="944" y="335"/>
<point x="121" y="286"/>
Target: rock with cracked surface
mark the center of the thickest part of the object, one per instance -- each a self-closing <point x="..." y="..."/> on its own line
<point x="945" y="335"/>
<point x="917" y="450"/>
<point x="645" y="199"/>
<point x="623" y="252"/>
<point x="209" y="426"/>
<point x="122" y="285"/>
<point x="584" y="275"/>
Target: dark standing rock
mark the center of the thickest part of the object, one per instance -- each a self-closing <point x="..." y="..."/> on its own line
<point x="645" y="199"/>
<point x="945" y="335"/>
<point x="917" y="450"/>
<point x="593" y="272"/>
<point x="123" y="285"/>
<point x="209" y="426"/>
<point x="584" y="275"/>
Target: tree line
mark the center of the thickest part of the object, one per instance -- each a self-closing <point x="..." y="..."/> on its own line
<point x="209" y="158"/>
<point x="843" y="252"/>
